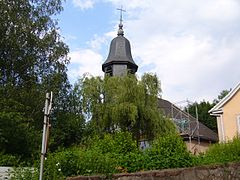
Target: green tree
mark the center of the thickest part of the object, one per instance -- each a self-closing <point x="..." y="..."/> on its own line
<point x="203" y="107"/>
<point x="204" y="117"/>
<point x="222" y="94"/>
<point x="68" y="129"/>
<point x="123" y="103"/>
<point x="33" y="61"/>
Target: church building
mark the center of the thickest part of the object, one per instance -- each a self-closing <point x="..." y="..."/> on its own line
<point x="119" y="62"/>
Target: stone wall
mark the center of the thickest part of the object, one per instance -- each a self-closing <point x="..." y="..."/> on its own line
<point x="214" y="172"/>
<point x="4" y="172"/>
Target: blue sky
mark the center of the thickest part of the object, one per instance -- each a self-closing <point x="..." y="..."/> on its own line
<point x="193" y="46"/>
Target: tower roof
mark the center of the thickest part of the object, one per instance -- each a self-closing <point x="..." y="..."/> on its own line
<point x="120" y="51"/>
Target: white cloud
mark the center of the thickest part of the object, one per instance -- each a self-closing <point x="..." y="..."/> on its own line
<point x="89" y="60"/>
<point x="220" y="10"/>
<point x="192" y="45"/>
<point x="133" y="4"/>
<point x="97" y="41"/>
<point x="84" y="61"/>
<point x="84" y="4"/>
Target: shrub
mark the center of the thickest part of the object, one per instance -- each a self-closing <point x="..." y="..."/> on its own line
<point x="23" y="173"/>
<point x="103" y="156"/>
<point x="116" y="153"/>
<point x="77" y="161"/>
<point x="168" y="152"/>
<point x="117" y="143"/>
<point x="131" y="162"/>
<point x="222" y="153"/>
<point x="8" y="160"/>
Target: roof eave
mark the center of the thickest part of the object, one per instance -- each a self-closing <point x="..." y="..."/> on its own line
<point x="119" y="62"/>
<point x="216" y="112"/>
<point x="221" y="103"/>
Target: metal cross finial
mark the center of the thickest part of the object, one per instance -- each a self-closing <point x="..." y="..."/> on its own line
<point x="121" y="10"/>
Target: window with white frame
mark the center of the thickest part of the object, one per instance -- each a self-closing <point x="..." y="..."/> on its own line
<point x="238" y="124"/>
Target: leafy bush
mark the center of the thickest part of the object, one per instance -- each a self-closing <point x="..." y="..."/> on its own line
<point x="221" y="153"/>
<point x="102" y="156"/>
<point x="168" y="152"/>
<point x="117" y="153"/>
<point x="23" y="173"/>
<point x="8" y="160"/>
<point x="118" y="143"/>
<point x="76" y="161"/>
<point x="131" y="162"/>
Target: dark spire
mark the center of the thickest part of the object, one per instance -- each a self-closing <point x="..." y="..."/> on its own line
<point x="120" y="30"/>
<point x="119" y="61"/>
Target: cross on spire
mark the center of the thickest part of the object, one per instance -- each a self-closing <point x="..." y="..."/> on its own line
<point x="121" y="11"/>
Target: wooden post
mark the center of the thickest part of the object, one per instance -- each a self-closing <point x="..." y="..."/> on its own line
<point x="47" y="109"/>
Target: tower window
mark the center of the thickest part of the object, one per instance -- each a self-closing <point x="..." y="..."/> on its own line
<point x="108" y="70"/>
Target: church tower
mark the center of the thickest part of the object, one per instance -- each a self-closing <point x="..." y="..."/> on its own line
<point x="119" y="61"/>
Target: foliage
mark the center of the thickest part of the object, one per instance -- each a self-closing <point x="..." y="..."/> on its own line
<point x="222" y="94"/>
<point x="111" y="154"/>
<point x="68" y="129"/>
<point x="222" y="153"/>
<point x="8" y="160"/>
<point x="33" y="61"/>
<point x="204" y="117"/>
<point x="123" y="103"/>
<point x="17" y="136"/>
<point x="31" y="49"/>
<point x="23" y="173"/>
<point x="168" y="152"/>
<point x="203" y="107"/>
<point x="165" y="152"/>
<point x="117" y="153"/>
<point x="117" y="143"/>
<point x="99" y="157"/>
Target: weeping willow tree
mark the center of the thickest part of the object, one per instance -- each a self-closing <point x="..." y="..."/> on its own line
<point x="123" y="103"/>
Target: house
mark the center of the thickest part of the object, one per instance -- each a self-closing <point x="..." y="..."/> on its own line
<point x="227" y="112"/>
<point x="196" y="135"/>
